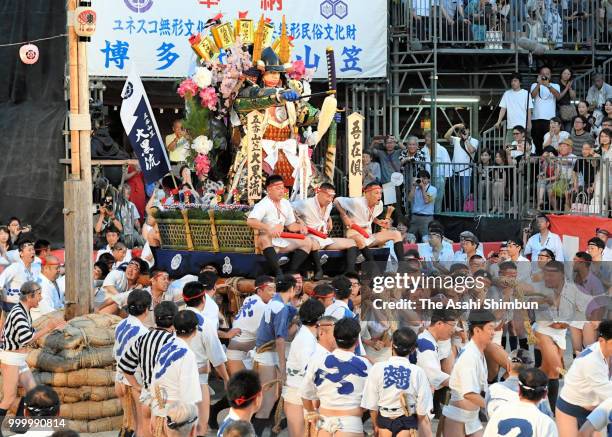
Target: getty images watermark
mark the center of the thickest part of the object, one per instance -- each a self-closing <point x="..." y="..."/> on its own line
<point x="402" y="283"/>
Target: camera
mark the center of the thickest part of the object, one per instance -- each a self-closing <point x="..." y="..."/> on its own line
<point x="545" y="78"/>
<point x="464" y="132"/>
<point x="107" y="203"/>
<point x="418" y="181"/>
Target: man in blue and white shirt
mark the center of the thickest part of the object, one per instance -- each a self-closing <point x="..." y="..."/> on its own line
<point x="15" y="275"/>
<point x="273" y="331"/>
<point x="422" y="195"/>
<point x="126" y="334"/>
<point x="396" y="378"/>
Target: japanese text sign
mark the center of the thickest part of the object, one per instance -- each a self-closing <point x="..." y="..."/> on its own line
<point x="154" y="34"/>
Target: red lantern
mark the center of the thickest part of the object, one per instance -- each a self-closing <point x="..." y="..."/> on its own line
<point x="28" y="54"/>
<point x="85" y="21"/>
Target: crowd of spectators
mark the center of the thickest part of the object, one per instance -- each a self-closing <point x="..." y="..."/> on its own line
<point x="555" y="154"/>
<point x="556" y="24"/>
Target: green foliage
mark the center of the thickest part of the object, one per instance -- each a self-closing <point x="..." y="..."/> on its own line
<point x="199" y="214"/>
<point x="197" y="119"/>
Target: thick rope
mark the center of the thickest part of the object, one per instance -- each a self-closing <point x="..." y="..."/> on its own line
<point x="159" y="421"/>
<point x="128" y="416"/>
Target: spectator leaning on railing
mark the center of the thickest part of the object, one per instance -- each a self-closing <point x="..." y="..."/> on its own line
<point x="585" y="168"/>
<point x="516" y="104"/>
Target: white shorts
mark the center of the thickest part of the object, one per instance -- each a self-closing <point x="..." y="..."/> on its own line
<point x="292" y="395"/>
<point x="557" y="335"/>
<point x="121" y="378"/>
<point x="468" y="417"/>
<point x="444" y="348"/>
<point x="578" y="325"/>
<point x="15" y="359"/>
<point x="348" y="424"/>
<point x="323" y="242"/>
<point x="497" y="337"/>
<point x="203" y="378"/>
<point x="145" y="397"/>
<point x="266" y="358"/>
<point x="236" y="355"/>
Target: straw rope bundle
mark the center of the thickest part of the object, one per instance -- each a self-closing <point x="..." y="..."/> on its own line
<point x="98" y="425"/>
<point x="88" y="410"/>
<point x="68" y="360"/>
<point x="94" y="330"/>
<point x="77" y="378"/>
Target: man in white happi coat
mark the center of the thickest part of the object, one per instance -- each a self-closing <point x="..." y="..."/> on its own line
<point x="271" y="216"/>
<point x="362" y="213"/>
<point x="315" y="213"/>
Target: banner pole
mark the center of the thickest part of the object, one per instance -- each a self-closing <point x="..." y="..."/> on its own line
<point x="188" y="236"/>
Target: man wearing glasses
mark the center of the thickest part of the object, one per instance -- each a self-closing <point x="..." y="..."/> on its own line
<point x="315" y="213"/>
<point x="15" y="275"/>
<point x="544" y="239"/>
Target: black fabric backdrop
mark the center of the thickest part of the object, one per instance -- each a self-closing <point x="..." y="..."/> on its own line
<point x="32" y="112"/>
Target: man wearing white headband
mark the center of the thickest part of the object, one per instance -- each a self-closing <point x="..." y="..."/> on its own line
<point x="271" y="216"/>
<point x="315" y="212"/>
<point x="359" y="213"/>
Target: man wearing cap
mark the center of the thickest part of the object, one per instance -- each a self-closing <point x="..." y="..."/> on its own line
<point x="436" y="251"/>
<point x="566" y="169"/>
<point x="544" y="239"/>
<point x="315" y="213"/>
<point x="52" y="293"/>
<point x="502" y="393"/>
<point x="470" y="246"/>
<point x="15" y="275"/>
<point x="422" y="195"/>
<point x="270" y="217"/>
<point x="362" y="212"/>
<point x="522" y="416"/>
<point x="247" y="320"/>
<point x="604" y="235"/>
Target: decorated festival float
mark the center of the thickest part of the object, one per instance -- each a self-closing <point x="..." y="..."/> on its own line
<point x="249" y="103"/>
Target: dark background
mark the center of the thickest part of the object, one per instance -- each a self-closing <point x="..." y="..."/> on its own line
<point x="32" y="113"/>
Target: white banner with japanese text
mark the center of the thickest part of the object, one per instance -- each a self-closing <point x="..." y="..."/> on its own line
<point x="153" y="34"/>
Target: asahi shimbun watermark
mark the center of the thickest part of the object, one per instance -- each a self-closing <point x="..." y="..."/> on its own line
<point x="401" y="292"/>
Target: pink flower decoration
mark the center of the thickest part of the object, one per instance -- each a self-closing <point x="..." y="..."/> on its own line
<point x="187" y="88"/>
<point x="298" y="69"/>
<point x="202" y="165"/>
<point x="209" y="98"/>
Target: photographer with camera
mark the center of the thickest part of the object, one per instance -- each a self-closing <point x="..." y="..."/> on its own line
<point x="464" y="151"/>
<point x="106" y="218"/>
<point x="422" y="196"/>
<point x="545" y="95"/>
